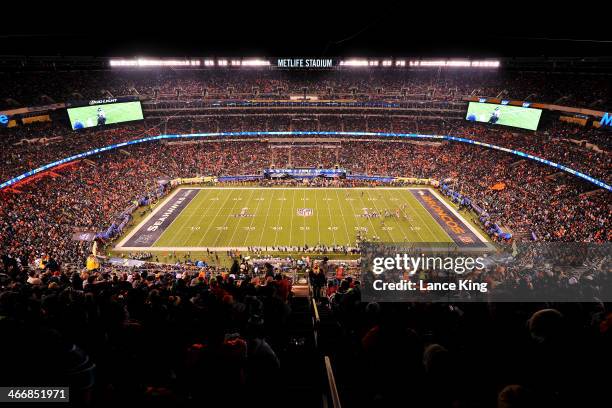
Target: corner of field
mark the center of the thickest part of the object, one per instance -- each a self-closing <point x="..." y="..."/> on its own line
<point x="135" y="228"/>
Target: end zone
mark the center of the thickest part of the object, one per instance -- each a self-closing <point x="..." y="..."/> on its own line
<point x="457" y="228"/>
<point x="151" y="228"/>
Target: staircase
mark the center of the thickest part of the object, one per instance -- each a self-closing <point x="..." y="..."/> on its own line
<point x="300" y="360"/>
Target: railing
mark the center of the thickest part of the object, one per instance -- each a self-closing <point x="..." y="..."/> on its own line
<point x="333" y="390"/>
<point x="316" y="320"/>
<point x="331" y="396"/>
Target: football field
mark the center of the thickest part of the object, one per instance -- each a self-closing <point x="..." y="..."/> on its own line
<point x="222" y="218"/>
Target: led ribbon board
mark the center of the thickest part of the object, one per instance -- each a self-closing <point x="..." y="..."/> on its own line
<point x="48" y="166"/>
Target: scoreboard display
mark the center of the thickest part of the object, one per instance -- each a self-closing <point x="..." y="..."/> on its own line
<point x="104" y="112"/>
<point x="516" y="116"/>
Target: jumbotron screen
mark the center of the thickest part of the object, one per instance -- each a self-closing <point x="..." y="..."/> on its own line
<point x="525" y="118"/>
<point x="104" y="114"/>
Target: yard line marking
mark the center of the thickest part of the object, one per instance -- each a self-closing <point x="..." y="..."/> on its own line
<point x="187" y="220"/>
<point x="357" y="218"/>
<point x="240" y="219"/>
<point x="331" y="220"/>
<point x="292" y="216"/>
<point x="184" y="222"/>
<point x="348" y="242"/>
<point x="381" y="218"/>
<point x="263" y="230"/>
<point x="397" y="221"/>
<point x="213" y="220"/>
<point x="368" y="218"/>
<point x="252" y="220"/>
<point x="434" y="236"/>
<point x="280" y="215"/>
<point x="317" y="215"/>
<point x="415" y="212"/>
<point x="227" y="217"/>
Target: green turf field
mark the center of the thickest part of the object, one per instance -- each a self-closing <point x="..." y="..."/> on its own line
<point x="115" y="113"/>
<point x="516" y="116"/>
<point x="220" y="218"/>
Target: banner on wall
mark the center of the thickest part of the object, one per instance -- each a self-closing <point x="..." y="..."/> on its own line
<point x="414" y="180"/>
<point x="193" y="180"/>
<point x="35" y="119"/>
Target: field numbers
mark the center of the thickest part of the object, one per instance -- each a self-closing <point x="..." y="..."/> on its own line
<point x="353" y="215"/>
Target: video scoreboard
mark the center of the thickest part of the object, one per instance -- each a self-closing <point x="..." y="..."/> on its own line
<point x="102" y="112"/>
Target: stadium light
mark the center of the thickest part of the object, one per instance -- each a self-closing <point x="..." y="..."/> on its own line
<point x="354" y="63"/>
<point x="222" y="62"/>
<point x="485" y="64"/>
<point x="209" y="63"/>
<point x="123" y="63"/>
<point x="454" y="63"/>
<point x="458" y="63"/>
<point x="387" y="63"/>
<point x="255" y="63"/>
<point x="147" y="62"/>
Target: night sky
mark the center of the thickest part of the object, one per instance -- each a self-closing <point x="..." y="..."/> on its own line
<point x="468" y="29"/>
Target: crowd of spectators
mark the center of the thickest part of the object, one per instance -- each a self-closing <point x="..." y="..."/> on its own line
<point x="40" y="88"/>
<point x="465" y="354"/>
<point x="530" y="200"/>
<point x="204" y="335"/>
<point x="156" y="334"/>
<point x="28" y="147"/>
<point x="159" y="336"/>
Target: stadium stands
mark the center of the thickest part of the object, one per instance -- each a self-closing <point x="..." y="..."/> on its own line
<point x="189" y="334"/>
<point x="41" y="88"/>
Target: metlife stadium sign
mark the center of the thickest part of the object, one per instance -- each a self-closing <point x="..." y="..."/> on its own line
<point x="317" y="63"/>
